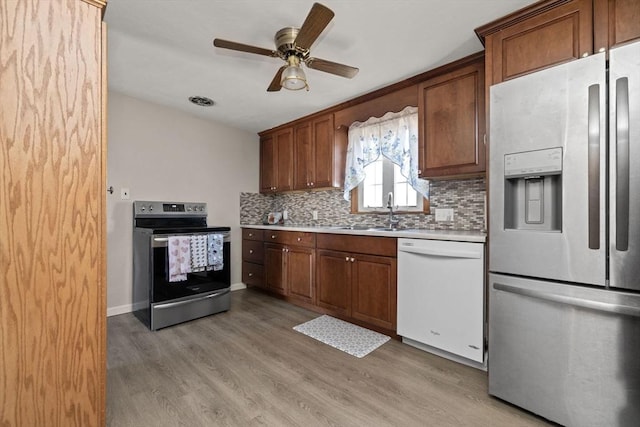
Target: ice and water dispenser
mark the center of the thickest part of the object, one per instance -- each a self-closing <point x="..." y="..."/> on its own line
<point x="533" y="190"/>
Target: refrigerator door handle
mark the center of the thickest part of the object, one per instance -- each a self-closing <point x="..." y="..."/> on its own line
<point x="622" y="164"/>
<point x="593" y="124"/>
<point x="570" y="300"/>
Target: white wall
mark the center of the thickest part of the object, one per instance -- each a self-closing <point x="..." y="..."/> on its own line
<point x="164" y="154"/>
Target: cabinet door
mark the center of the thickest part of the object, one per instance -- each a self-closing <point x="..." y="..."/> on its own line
<point x="452" y="124"/>
<point x="275" y="275"/>
<point x="252" y="274"/>
<point x="304" y="162"/>
<point x="267" y="164"/>
<point x="556" y="35"/>
<point x="334" y="281"/>
<point x="323" y="145"/>
<point x="284" y="169"/>
<point x="300" y="273"/>
<point x="615" y="22"/>
<point x="373" y="284"/>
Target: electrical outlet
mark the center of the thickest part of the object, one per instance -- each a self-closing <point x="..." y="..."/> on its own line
<point x="285" y="215"/>
<point x="124" y="194"/>
<point x="314" y="214"/>
<point x="444" y="214"/>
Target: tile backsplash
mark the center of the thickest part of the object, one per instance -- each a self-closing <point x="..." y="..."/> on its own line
<point x="465" y="196"/>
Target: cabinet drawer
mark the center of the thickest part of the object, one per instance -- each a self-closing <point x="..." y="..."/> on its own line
<point x="385" y="246"/>
<point x="252" y="274"/>
<point x="293" y="238"/>
<point x="252" y="234"/>
<point x="253" y="251"/>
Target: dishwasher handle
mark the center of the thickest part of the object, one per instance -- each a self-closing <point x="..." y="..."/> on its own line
<point x="447" y="253"/>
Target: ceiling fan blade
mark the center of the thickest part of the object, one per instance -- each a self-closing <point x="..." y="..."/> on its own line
<point x="332" y="67"/>
<point x="226" y="44"/>
<point x="317" y="20"/>
<point x="275" y="83"/>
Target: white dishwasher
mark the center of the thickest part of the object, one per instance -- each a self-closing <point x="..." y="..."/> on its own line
<point x="441" y="298"/>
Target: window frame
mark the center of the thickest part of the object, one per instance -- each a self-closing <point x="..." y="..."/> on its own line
<point x="356" y="207"/>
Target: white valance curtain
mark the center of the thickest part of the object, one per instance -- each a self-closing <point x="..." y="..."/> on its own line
<point x="395" y="136"/>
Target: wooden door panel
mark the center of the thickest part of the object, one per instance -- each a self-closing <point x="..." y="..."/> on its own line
<point x="450" y="122"/>
<point x="300" y="273"/>
<point x="615" y="22"/>
<point x="557" y="35"/>
<point x="274" y="271"/>
<point x="304" y="164"/>
<point x="334" y="281"/>
<point x="267" y="164"/>
<point x="284" y="159"/>
<point x="373" y="297"/>
<point x="323" y="152"/>
<point x="52" y="225"/>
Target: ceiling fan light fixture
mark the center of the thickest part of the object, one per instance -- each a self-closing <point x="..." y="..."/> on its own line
<point x="293" y="77"/>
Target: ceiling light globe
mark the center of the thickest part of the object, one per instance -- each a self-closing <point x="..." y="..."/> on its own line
<point x="293" y="78"/>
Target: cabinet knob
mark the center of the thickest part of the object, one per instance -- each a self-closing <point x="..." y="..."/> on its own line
<point x="250" y="274"/>
<point x="284" y="250"/>
<point x="312" y="184"/>
<point x="250" y="251"/>
<point x="273" y="236"/>
<point x="346" y="259"/>
<point x="250" y="234"/>
<point x="299" y="239"/>
<point x="353" y="259"/>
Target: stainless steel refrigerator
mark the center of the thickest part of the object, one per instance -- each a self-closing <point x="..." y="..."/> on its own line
<point x="564" y="241"/>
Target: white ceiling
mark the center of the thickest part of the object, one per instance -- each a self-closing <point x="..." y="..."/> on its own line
<point x="161" y="50"/>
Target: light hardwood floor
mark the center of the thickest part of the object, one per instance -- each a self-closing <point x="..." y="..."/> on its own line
<point x="249" y="367"/>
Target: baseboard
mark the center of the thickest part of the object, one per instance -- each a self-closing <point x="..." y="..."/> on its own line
<point x="238" y="286"/>
<point x="128" y="308"/>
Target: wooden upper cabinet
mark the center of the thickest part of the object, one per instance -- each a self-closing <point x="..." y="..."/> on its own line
<point x="452" y="125"/>
<point x="540" y="36"/>
<point x="315" y="159"/>
<point x="276" y="161"/>
<point x="325" y="167"/>
<point x="616" y="22"/>
<point x="304" y="158"/>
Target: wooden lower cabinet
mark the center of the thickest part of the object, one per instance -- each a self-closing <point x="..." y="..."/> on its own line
<point x="334" y="282"/>
<point x="274" y="270"/>
<point x="359" y="286"/>
<point x="373" y="290"/>
<point x="337" y="278"/>
<point x="300" y="268"/>
<point x="289" y="270"/>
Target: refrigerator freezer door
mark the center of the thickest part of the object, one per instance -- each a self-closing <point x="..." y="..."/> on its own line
<point x="624" y="173"/>
<point x="567" y="353"/>
<point x="552" y="124"/>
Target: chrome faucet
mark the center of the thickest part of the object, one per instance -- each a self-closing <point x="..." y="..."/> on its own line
<point x="393" y="221"/>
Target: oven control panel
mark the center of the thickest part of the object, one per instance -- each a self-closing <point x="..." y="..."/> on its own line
<point x="149" y="208"/>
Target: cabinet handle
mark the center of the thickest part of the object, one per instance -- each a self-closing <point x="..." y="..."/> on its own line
<point x="353" y="259"/>
<point x="250" y="251"/>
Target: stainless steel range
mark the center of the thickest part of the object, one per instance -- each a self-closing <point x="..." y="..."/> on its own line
<point x="181" y="266"/>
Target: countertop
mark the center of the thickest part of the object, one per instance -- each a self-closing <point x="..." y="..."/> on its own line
<point x="412" y="233"/>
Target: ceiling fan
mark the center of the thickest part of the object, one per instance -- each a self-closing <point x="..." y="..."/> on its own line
<point x="292" y="45"/>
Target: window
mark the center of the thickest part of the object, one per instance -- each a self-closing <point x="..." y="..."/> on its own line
<point x="382" y="158"/>
<point x="383" y="177"/>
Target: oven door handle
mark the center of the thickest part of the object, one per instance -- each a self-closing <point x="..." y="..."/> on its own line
<point x="189" y="301"/>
